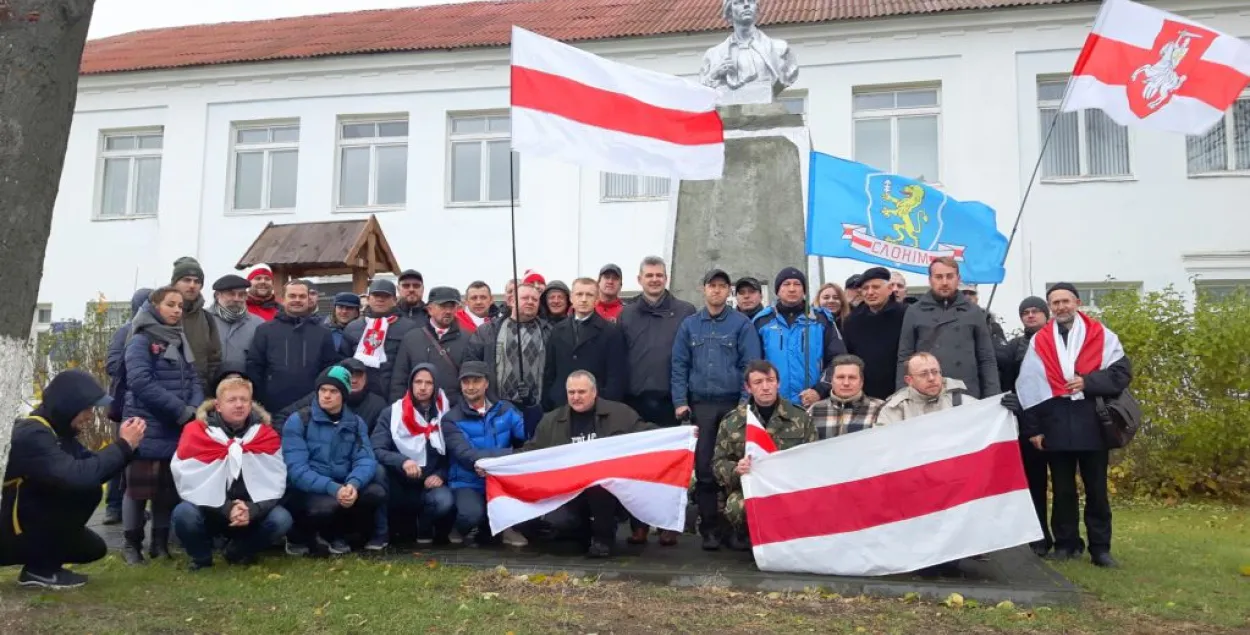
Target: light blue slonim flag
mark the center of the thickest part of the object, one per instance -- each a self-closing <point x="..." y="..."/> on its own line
<point x="859" y="212"/>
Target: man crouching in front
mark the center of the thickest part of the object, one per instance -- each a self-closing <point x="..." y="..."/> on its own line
<point x="229" y="472"/>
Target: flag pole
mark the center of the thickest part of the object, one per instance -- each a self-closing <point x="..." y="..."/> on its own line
<point x="516" y="278"/>
<point x="1041" y="156"/>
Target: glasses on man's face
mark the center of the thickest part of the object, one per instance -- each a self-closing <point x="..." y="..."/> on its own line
<point x="925" y="374"/>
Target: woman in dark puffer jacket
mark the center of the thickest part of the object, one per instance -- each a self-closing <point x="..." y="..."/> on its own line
<point x="163" y="388"/>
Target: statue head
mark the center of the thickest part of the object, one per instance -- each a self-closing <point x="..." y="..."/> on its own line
<point x="740" y="11"/>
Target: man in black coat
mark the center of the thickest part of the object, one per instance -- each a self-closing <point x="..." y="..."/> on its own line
<point x="52" y="483"/>
<point x="872" y="332"/>
<point x="288" y="353"/>
<point x="585" y="342"/>
<point x="382" y="313"/>
<point x="441" y="343"/>
<point x="1068" y="429"/>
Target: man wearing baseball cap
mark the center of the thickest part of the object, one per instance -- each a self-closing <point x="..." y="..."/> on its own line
<point x="377" y="335"/>
<point x="854" y="286"/>
<point x="411" y="299"/>
<point x="236" y="326"/>
<point x="260" y="296"/>
<point x="749" y="294"/>
<point x="609" y="305"/>
<point x="441" y="343"/>
<point x="346" y="310"/>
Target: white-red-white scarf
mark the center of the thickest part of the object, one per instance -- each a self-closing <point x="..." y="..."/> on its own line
<point x="208" y="462"/>
<point x="412" y="433"/>
<point x="371" y="350"/>
<point x="1052" y="362"/>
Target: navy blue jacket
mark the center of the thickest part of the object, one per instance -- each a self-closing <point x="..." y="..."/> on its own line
<point x="470" y="436"/>
<point x="286" y="356"/>
<point x="710" y="356"/>
<point x="322" y="456"/>
<point x="163" y="392"/>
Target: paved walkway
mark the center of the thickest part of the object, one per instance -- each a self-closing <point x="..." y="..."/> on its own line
<point x="1014" y="574"/>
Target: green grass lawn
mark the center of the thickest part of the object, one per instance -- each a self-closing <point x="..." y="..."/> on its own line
<point x="1181" y="574"/>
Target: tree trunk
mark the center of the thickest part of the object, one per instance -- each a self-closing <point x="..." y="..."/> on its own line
<point x="41" y="43"/>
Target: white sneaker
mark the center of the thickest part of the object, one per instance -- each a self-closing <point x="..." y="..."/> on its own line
<point x="455" y="537"/>
<point x="513" y="538"/>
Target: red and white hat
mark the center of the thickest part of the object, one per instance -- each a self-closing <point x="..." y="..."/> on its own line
<point x="259" y="269"/>
<point x="533" y="277"/>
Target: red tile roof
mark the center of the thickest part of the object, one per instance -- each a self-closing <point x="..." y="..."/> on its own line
<point x="472" y="24"/>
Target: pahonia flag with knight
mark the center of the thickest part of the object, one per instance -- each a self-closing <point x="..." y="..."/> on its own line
<point x="1149" y="67"/>
<point x="859" y="212"/>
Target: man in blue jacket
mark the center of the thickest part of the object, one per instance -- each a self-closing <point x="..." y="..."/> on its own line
<point x="330" y="470"/>
<point x="710" y="357"/>
<point x="799" y="340"/>
<point x="477" y="429"/>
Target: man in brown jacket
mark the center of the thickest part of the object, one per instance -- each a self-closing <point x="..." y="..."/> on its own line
<point x="585" y="418"/>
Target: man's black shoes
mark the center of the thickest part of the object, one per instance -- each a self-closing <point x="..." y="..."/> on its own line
<point x="598" y="550"/>
<point x="56" y="580"/>
<point x="711" y="542"/>
<point x="1103" y="559"/>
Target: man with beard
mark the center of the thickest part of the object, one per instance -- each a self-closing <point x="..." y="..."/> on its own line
<point x="200" y="329"/>
<point x="609" y="304"/>
<point x="289" y="353"/>
<point x="260" y="298"/>
<point x="854" y="290"/>
<point x="515" y="360"/>
<point x="346" y="311"/>
<point x="442" y="343"/>
<point x="235" y="325"/>
<point x="872" y="332"/>
<point x="52" y="483"/>
<point x="1033" y="314"/>
<point x="750" y="296"/>
<point x="412" y="297"/>
<point x="375" y="338"/>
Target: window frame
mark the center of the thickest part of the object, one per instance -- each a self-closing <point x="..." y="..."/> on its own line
<point x="1084" y="289"/>
<point x="604" y="197"/>
<point x="1082" y="135"/>
<point x="373" y="143"/>
<point x="103" y="154"/>
<point x="40" y="325"/>
<point x="482" y="138"/>
<point x="801" y="96"/>
<point x="1230" y="148"/>
<point x="893" y="115"/>
<point x="267" y="148"/>
<point x="1226" y="286"/>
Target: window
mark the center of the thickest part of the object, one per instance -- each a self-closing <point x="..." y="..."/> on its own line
<point x="898" y="131"/>
<point x="1091" y="293"/>
<point x="111" y="314"/>
<point x="373" y="163"/>
<point x="478" y="155"/>
<point x="1226" y="147"/>
<point x="794" y="103"/>
<point x="1085" y="144"/>
<point x="266" y="160"/>
<point x="130" y="173"/>
<point x="43" y="316"/>
<point x="631" y="187"/>
<point x="1219" y="289"/>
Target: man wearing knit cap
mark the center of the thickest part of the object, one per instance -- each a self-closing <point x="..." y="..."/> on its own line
<point x="331" y="490"/>
<point x="1033" y="314"/>
<point x="235" y="325"/>
<point x="945" y="323"/>
<point x="872" y="331"/>
<point x="412" y="297"/>
<point x="798" y="339"/>
<point x="200" y="329"/>
<point x="260" y="297"/>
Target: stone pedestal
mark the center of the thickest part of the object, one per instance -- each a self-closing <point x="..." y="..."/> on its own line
<point x="751" y="221"/>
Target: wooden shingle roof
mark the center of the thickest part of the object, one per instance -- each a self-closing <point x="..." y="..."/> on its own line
<point x="328" y="245"/>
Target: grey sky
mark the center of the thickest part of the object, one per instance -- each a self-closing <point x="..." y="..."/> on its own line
<point x="122" y="16"/>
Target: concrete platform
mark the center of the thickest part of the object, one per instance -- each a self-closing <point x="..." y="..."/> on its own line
<point x="1014" y="574"/>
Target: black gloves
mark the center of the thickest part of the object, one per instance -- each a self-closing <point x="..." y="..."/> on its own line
<point x="525" y="397"/>
<point x="1012" y="402"/>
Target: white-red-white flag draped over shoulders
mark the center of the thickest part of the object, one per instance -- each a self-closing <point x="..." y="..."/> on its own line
<point x="580" y="108"/>
<point x="208" y="462"/>
<point x="1052" y="360"/>
<point x="1143" y="66"/>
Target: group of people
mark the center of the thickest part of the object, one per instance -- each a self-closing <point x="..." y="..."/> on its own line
<point x="366" y="425"/>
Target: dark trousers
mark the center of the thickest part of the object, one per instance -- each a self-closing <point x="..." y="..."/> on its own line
<point x="116" y="486"/>
<point x="410" y="506"/>
<point x="1064" y="520"/>
<point x="1037" y="473"/>
<point x="654" y="407"/>
<point x="321" y="514"/>
<point x="196" y="528"/>
<point x="707" y="417"/>
<point x="594" y="509"/>
<point x="44" y="549"/>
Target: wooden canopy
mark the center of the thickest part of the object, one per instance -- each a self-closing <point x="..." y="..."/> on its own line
<point x="329" y="248"/>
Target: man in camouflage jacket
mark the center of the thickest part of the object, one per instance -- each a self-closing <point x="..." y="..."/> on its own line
<point x="787" y="424"/>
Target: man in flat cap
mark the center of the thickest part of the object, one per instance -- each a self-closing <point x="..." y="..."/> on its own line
<point x="872" y="332"/>
<point x="235" y="324"/>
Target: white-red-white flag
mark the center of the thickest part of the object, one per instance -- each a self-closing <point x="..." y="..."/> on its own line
<point x="648" y="472"/>
<point x="897" y="498"/>
<point x="208" y="462"/>
<point x="1149" y="67"/>
<point x="580" y="108"/>
<point x="758" y="442"/>
<point x="1052" y="361"/>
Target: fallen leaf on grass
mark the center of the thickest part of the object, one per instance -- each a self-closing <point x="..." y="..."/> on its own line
<point x="274" y="576"/>
<point x="431" y="564"/>
<point x="774" y="596"/>
<point x="953" y="601"/>
<point x="1006" y="605"/>
<point x="1245" y="570"/>
<point x="489" y="596"/>
<point x="911" y="597"/>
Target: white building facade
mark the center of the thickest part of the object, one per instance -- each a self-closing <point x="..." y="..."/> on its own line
<point x="196" y="161"/>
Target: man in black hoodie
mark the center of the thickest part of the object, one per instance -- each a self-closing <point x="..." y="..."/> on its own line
<point x="52" y="483"/>
<point x="553" y="304"/>
<point x="872" y="332"/>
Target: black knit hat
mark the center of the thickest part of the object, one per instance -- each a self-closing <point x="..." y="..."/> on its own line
<point x="1034" y="302"/>
<point x="187" y="267"/>
<point x="789" y="273"/>
<point x="1062" y="286"/>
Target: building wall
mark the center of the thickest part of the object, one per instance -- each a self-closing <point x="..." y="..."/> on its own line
<point x="1143" y="228"/>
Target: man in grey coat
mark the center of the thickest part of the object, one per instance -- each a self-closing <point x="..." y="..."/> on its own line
<point x="943" y="322"/>
<point x="235" y="325"/>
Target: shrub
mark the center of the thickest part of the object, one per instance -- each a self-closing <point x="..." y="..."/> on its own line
<point x="1191" y="372"/>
